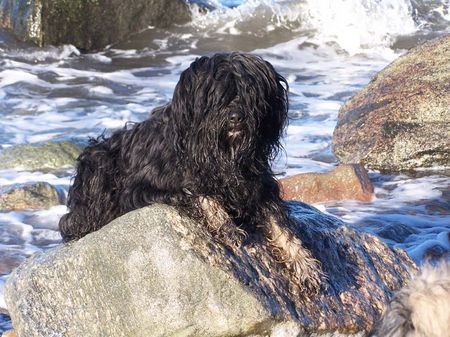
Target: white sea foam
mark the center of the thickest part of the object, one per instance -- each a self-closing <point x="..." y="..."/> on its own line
<point x="357" y="25"/>
<point x="101" y="90"/>
<point x="99" y="57"/>
<point x="49" y="53"/>
<point x="327" y="50"/>
<point x="2" y="291"/>
<point x="354" y="25"/>
<point x="403" y="201"/>
<point x="8" y="77"/>
<point x="10" y="177"/>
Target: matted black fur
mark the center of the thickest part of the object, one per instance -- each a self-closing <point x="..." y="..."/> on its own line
<point x="215" y="139"/>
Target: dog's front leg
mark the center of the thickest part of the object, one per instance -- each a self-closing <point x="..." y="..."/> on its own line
<point x="220" y="224"/>
<point x="304" y="268"/>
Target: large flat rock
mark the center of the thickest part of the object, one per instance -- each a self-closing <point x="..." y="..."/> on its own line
<point x="152" y="272"/>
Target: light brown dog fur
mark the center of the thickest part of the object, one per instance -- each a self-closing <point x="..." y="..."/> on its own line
<point x="422" y="308"/>
<point x="305" y="271"/>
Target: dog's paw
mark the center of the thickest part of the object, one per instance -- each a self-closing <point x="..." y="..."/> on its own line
<point x="306" y="275"/>
<point x="305" y="272"/>
<point x="220" y="224"/>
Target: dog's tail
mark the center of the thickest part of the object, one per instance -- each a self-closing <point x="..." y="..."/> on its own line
<point x="420" y="309"/>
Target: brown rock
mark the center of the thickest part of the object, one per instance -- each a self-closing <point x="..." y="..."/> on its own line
<point x="397" y="231"/>
<point x="346" y="182"/>
<point x="28" y="196"/>
<point x="401" y="119"/>
<point x="436" y="252"/>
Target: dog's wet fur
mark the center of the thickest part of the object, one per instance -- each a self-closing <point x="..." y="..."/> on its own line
<point x="210" y="148"/>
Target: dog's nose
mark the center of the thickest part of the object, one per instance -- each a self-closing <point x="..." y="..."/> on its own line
<point x="235" y="118"/>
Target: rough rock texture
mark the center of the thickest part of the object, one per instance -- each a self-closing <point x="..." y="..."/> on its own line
<point x="401" y="119"/>
<point x="345" y="182"/>
<point x="88" y="25"/>
<point x="154" y="273"/>
<point x="29" y="196"/>
<point x="45" y="156"/>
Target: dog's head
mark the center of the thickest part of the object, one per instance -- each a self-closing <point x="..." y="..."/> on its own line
<point x="230" y="108"/>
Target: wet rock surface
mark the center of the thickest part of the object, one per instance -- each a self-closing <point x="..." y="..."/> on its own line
<point x="345" y="182"/>
<point x="397" y="232"/>
<point x="89" y="25"/>
<point x="401" y="119"/>
<point x="153" y="272"/>
<point x="29" y="196"/>
<point x="46" y="156"/>
<point x="9" y="261"/>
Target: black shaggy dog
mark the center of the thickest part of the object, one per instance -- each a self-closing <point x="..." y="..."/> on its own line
<point x="207" y="152"/>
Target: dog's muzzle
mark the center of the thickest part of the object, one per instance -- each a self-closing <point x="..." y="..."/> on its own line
<point x="234" y="125"/>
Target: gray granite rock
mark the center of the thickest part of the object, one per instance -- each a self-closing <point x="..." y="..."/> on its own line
<point x="152" y="272"/>
<point x="401" y="119"/>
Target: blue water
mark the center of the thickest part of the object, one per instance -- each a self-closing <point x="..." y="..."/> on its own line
<point x="231" y="3"/>
<point x="213" y="4"/>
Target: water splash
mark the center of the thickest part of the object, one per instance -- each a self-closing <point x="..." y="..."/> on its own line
<point x="355" y="26"/>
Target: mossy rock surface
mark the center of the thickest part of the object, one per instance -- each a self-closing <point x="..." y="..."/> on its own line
<point x="401" y="119"/>
<point x="87" y="24"/>
<point x="47" y="156"/>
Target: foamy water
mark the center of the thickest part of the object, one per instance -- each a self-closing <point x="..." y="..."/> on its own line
<point x="327" y="50"/>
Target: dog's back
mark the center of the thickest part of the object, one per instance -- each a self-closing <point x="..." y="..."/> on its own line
<point x="110" y="170"/>
<point x="95" y="170"/>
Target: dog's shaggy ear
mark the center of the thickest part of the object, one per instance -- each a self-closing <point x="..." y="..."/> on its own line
<point x="184" y="108"/>
<point x="184" y="95"/>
